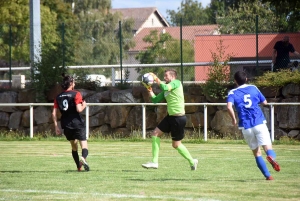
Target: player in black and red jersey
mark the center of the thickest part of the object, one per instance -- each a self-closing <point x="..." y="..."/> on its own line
<point x="70" y="104"/>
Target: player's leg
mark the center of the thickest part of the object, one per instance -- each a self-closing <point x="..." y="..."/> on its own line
<point x="250" y="138"/>
<point x="74" y="145"/>
<point x="70" y="137"/>
<point x="81" y="136"/>
<point x="183" y="151"/>
<point x="271" y="156"/>
<point x="264" y="140"/>
<point x="84" y="147"/>
<point x="177" y="132"/>
<point x="261" y="164"/>
<point x="155" y="149"/>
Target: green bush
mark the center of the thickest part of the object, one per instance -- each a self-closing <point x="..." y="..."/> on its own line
<point x="277" y="79"/>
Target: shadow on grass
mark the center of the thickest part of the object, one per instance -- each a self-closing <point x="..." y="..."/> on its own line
<point x="203" y="179"/>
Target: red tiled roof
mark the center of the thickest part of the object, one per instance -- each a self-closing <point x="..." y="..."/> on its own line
<point x="188" y="33"/>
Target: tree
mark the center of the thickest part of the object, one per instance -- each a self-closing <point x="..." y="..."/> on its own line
<point x="287" y="13"/>
<point x="66" y="26"/>
<point x="16" y="15"/>
<point x="242" y="19"/>
<point x="165" y="49"/>
<point x="84" y="6"/>
<point x="216" y="8"/>
<point x="191" y="12"/>
<point x="99" y="37"/>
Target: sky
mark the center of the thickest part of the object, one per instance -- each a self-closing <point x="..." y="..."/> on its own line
<point x="161" y="5"/>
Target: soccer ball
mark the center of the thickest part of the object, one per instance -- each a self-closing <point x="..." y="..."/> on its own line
<point x="148" y="79"/>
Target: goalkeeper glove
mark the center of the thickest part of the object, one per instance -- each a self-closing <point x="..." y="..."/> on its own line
<point x="148" y="87"/>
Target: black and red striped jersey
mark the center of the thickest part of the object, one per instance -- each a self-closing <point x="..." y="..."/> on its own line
<point x="66" y="102"/>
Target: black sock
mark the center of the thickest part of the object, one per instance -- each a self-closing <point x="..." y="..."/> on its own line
<point x="75" y="157"/>
<point x="85" y="153"/>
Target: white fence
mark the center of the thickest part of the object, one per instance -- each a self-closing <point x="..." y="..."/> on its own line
<point x="143" y="105"/>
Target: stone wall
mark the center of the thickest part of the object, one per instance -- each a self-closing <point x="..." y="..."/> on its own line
<point x="125" y="119"/>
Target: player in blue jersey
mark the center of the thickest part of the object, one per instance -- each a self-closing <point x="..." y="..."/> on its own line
<point x="246" y="99"/>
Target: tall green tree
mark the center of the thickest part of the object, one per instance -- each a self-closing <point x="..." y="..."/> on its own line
<point x="287" y="13"/>
<point x="242" y="19"/>
<point x="216" y="8"/>
<point x="98" y="32"/>
<point x="191" y="12"/>
<point x="15" y="13"/>
<point x="84" y="6"/>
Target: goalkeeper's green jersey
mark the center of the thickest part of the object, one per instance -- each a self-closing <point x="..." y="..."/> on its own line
<point x="173" y="93"/>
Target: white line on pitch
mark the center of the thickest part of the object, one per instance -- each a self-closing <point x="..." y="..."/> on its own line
<point x="113" y="195"/>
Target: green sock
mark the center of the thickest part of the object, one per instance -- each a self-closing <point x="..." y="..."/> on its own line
<point x="185" y="153"/>
<point x="155" y="148"/>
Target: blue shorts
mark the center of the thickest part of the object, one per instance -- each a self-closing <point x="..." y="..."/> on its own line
<point x="175" y="125"/>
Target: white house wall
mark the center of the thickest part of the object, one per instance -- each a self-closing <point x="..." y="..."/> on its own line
<point x="152" y="21"/>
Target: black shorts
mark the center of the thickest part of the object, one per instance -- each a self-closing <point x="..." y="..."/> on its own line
<point x="72" y="134"/>
<point x="175" y="125"/>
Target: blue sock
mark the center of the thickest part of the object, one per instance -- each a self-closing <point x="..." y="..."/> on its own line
<point x="262" y="166"/>
<point x="272" y="153"/>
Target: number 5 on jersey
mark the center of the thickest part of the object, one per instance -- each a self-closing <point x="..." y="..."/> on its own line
<point x="247" y="100"/>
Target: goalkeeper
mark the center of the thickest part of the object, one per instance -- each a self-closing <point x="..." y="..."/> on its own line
<point x="174" y="122"/>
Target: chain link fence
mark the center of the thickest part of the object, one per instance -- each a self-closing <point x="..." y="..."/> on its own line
<point x="122" y="52"/>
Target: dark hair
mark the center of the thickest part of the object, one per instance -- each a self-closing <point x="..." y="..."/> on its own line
<point x="240" y="77"/>
<point x="172" y="72"/>
<point x="67" y="80"/>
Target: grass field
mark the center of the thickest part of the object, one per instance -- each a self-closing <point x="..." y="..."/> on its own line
<point x="44" y="170"/>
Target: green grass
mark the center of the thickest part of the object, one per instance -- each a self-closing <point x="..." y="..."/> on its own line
<point x="44" y="170"/>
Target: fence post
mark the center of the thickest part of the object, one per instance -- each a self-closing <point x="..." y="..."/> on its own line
<point x="256" y="25"/>
<point x="144" y="120"/>
<point x="63" y="43"/>
<point x="205" y="122"/>
<point x="113" y="76"/>
<point x="87" y="123"/>
<point x="10" y="44"/>
<point x="272" y="122"/>
<point x="120" y="35"/>
<point x="31" y="119"/>
<point x="181" y="56"/>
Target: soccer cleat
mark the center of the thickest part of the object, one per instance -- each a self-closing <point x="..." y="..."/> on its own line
<point x="85" y="164"/>
<point x="269" y="178"/>
<point x="80" y="166"/>
<point x="274" y="164"/>
<point x="194" y="167"/>
<point x="150" y="165"/>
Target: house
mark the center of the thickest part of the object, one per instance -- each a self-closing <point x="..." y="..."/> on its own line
<point x="241" y="47"/>
<point x="143" y="17"/>
<point x="146" y="17"/>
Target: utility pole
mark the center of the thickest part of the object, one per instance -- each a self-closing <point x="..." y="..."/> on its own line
<point x="35" y="33"/>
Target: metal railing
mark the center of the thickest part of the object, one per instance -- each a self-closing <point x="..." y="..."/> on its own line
<point x="209" y="63"/>
<point x="31" y="105"/>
